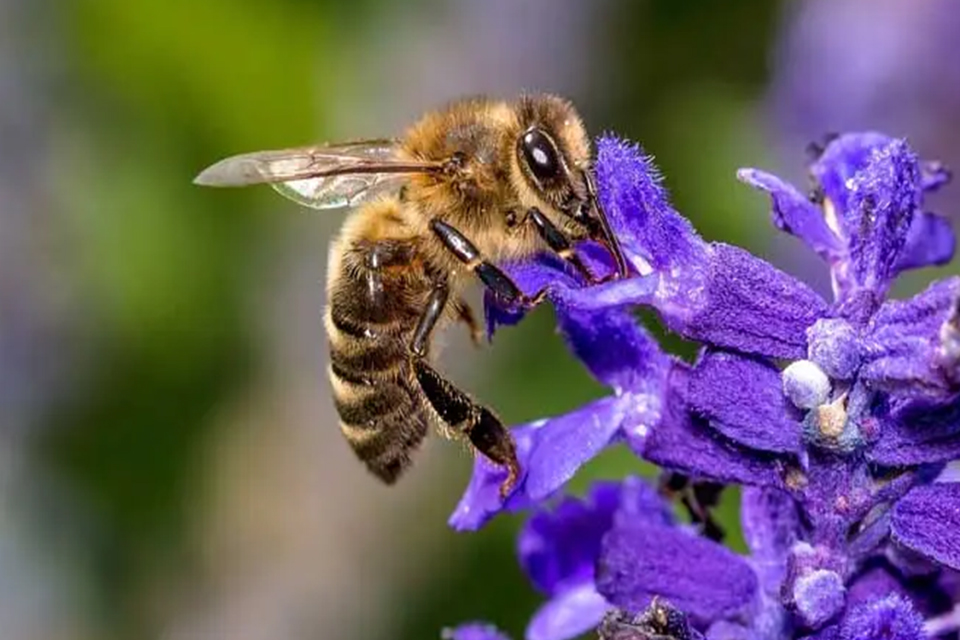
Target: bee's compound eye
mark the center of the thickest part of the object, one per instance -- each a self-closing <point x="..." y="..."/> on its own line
<point x="541" y="154"/>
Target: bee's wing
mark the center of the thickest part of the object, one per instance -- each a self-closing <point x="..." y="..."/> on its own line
<point x="320" y="177"/>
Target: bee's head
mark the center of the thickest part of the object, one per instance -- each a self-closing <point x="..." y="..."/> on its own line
<point x="552" y="153"/>
<point x="553" y="169"/>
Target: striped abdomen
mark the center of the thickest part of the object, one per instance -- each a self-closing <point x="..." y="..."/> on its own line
<point x="370" y="320"/>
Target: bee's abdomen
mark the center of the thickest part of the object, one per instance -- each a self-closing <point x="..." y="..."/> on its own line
<point x="375" y="394"/>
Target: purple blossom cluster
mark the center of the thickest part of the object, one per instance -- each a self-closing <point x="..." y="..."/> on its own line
<point x="838" y="419"/>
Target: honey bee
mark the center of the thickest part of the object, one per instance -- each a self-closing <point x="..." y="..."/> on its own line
<point x="469" y="185"/>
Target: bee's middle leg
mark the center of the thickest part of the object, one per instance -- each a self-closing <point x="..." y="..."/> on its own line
<point x="378" y="257"/>
<point x="485" y="431"/>
<point x="465" y="315"/>
<point x="492" y="276"/>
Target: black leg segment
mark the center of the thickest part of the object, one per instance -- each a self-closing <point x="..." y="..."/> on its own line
<point x="491" y="275"/>
<point x="452" y="405"/>
<point x="479" y="424"/>
<point x="498" y="282"/>
<point x="432" y="313"/>
<point x="378" y="256"/>
<point x="558" y="242"/>
<point x="699" y="498"/>
<point x="456" y="242"/>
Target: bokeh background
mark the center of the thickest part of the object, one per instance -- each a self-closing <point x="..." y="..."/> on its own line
<point x="170" y="465"/>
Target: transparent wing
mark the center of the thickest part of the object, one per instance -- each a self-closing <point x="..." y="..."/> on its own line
<point x="320" y="177"/>
<point x="343" y="190"/>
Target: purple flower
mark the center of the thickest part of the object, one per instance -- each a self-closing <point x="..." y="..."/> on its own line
<point x="836" y="416"/>
<point x="911" y="84"/>
<point x="558" y="549"/>
<point x="892" y="618"/>
<point x="473" y="631"/>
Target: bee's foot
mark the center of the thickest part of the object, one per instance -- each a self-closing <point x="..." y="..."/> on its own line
<point x="528" y="302"/>
<point x="510" y="482"/>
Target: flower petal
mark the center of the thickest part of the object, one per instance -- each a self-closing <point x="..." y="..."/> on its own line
<point x="551" y="451"/>
<point x="892" y="618"/>
<point x="842" y="159"/>
<point x="544" y="270"/>
<point x="743" y="399"/>
<point x="718" y="294"/>
<point x="882" y="200"/>
<point x="711" y="293"/>
<point x="794" y="213"/>
<point x="615" y="348"/>
<point x="875" y="584"/>
<point x="698" y="576"/>
<point x="606" y="337"/>
<point x="652" y="234"/>
<point x="910" y="347"/>
<point x="927" y="593"/>
<point x="640" y="502"/>
<point x="927" y="520"/>
<point x="934" y="175"/>
<point x="685" y="443"/>
<point x="473" y="631"/>
<point x="771" y="526"/>
<point x="568" y="615"/>
<point x="564" y="443"/>
<point x="481" y="500"/>
<point x="918" y="433"/>
<point x="726" y="630"/>
<point x="831" y="632"/>
<point x="558" y="548"/>
<point x="748" y="305"/>
<point x="715" y="293"/>
<point x="930" y="242"/>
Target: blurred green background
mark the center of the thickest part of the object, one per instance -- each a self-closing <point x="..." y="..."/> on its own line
<point x="171" y="465"/>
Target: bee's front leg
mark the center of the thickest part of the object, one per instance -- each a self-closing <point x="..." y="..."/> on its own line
<point x="559" y="243"/>
<point x="492" y="276"/>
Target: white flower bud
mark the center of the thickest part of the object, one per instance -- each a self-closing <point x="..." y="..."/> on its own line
<point x="805" y="384"/>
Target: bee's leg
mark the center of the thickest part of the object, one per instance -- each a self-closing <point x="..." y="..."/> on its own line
<point x="491" y="275"/>
<point x="485" y="431"/>
<point x="699" y="498"/>
<point x="455" y="408"/>
<point x="465" y="315"/>
<point x="380" y="255"/>
<point x="559" y="243"/>
<point x="428" y="319"/>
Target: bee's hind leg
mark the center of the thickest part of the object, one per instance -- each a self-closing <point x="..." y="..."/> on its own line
<point x="484" y="429"/>
<point x="453" y="406"/>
